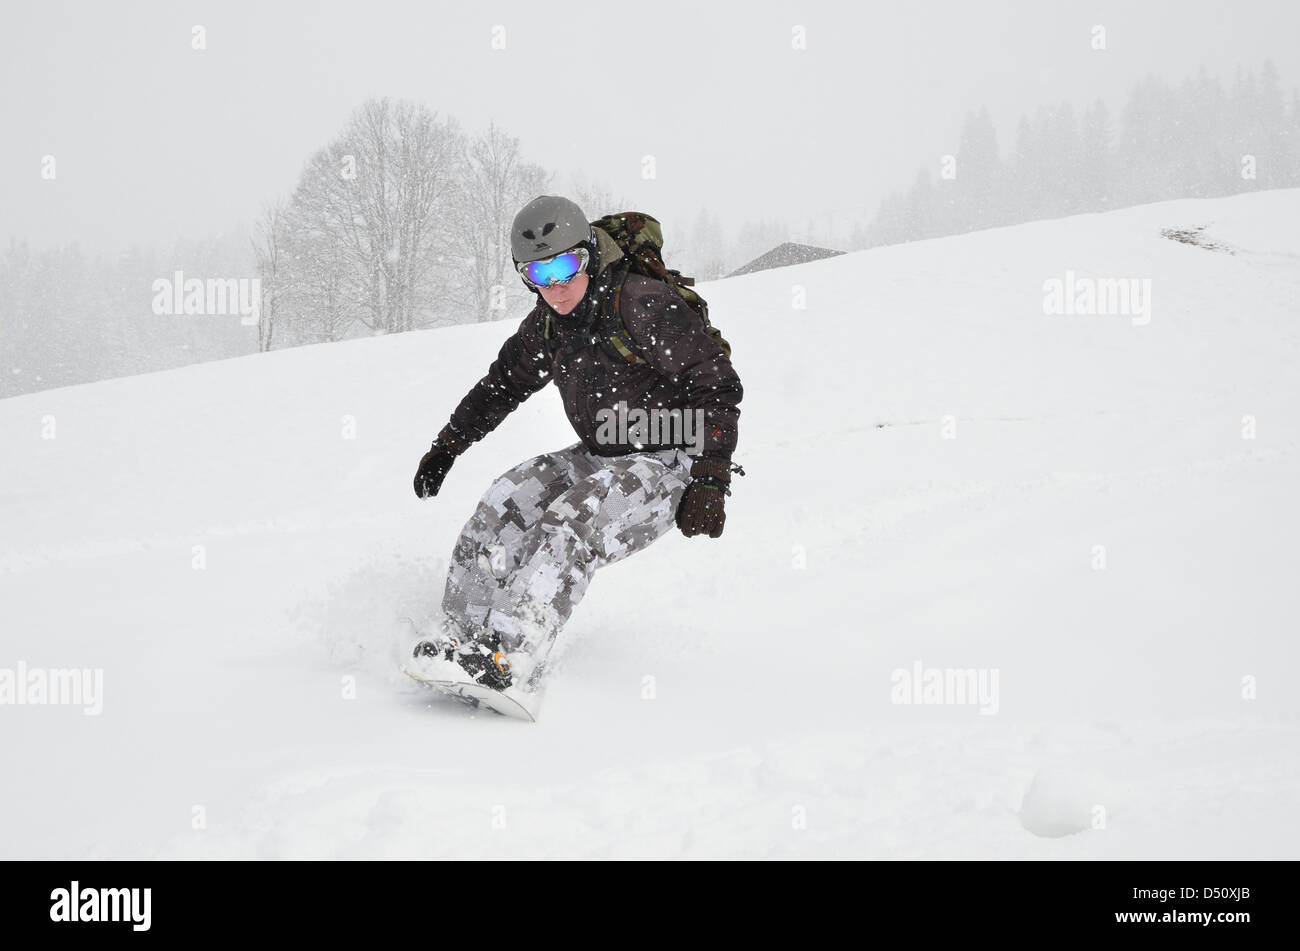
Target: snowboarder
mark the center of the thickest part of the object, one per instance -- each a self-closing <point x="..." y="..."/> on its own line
<point x="524" y="559"/>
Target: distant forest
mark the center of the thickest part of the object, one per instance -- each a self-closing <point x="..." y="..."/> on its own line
<point x="1193" y="140"/>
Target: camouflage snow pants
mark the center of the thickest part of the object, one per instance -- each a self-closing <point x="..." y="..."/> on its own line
<point x="524" y="559"/>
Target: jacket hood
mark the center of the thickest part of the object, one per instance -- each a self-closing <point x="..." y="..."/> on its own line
<point x="607" y="249"/>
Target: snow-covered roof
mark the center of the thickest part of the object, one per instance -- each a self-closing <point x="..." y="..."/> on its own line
<point x="783" y="255"/>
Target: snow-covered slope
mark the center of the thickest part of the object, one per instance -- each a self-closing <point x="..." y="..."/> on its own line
<point x="933" y="462"/>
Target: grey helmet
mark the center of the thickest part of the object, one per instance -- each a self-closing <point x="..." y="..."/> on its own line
<point x="548" y="225"/>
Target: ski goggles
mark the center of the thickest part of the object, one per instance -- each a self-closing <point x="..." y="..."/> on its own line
<point x="556" y="271"/>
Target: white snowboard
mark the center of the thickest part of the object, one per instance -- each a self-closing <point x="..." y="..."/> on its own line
<point x="451" y="680"/>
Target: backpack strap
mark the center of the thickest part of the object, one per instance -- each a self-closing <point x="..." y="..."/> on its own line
<point x="613" y="330"/>
<point x="548" y="338"/>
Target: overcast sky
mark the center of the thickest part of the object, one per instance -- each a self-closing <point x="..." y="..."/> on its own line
<point x="154" y="140"/>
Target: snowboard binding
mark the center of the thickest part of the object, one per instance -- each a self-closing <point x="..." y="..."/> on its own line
<point x="483" y="661"/>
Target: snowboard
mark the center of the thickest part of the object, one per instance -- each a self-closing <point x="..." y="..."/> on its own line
<point x="511" y="702"/>
<point x="522" y="700"/>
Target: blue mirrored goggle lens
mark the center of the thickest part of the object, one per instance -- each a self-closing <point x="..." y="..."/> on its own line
<point x="558" y="270"/>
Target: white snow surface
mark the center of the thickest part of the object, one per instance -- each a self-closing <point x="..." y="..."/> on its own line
<point x="713" y="698"/>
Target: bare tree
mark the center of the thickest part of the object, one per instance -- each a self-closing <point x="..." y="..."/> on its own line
<point x="324" y="290"/>
<point x="373" y="204"/>
<point x="494" y="184"/>
<point x="268" y="250"/>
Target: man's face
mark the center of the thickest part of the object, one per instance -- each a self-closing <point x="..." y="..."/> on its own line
<point x="564" y="297"/>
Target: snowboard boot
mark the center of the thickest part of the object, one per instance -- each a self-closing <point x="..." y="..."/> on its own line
<point x="481" y="658"/>
<point x="439" y="646"/>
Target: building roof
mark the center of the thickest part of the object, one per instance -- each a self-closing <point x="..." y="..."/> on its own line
<point x="784" y="255"/>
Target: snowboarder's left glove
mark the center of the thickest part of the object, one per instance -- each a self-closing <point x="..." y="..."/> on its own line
<point x="700" y="511"/>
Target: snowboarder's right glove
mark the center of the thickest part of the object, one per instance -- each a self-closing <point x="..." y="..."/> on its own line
<point x="700" y="511"/>
<point x="436" y="463"/>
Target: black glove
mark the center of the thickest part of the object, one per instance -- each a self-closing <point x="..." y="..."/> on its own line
<point x="700" y="510"/>
<point x="433" y="469"/>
